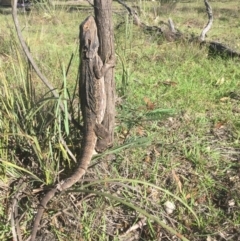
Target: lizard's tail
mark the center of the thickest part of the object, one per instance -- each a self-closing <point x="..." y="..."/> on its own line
<point x="85" y="158"/>
<point x="88" y="148"/>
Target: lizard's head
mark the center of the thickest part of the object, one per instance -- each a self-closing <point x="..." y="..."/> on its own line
<point x="88" y="38"/>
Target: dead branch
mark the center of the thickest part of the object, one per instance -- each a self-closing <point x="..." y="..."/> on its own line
<point x="16" y="232"/>
<point x="210" y="21"/>
<point x="34" y="65"/>
<point x="171" y="25"/>
<point x="139" y="224"/>
<point x="221" y="50"/>
<point x="132" y="13"/>
<point x="39" y="73"/>
<point x="91" y="3"/>
<point x="215" y="48"/>
<point x="171" y="34"/>
<point x="28" y="54"/>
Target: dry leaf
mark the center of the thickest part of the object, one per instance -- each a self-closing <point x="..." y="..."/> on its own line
<point x="224" y="99"/>
<point x="170" y="83"/>
<point x="124" y="133"/>
<point x="188" y="196"/>
<point x="177" y="180"/>
<point x="156" y="153"/>
<point x="150" y="105"/>
<point x="192" y="194"/>
<point x="140" y="131"/>
<point x="209" y="238"/>
<point x="220" y="124"/>
<point x="220" y="81"/>
<point x="147" y="158"/>
<point x="201" y="199"/>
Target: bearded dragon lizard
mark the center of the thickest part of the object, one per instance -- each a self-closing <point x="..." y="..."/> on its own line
<point x="93" y="105"/>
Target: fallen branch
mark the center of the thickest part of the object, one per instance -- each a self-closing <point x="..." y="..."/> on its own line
<point x="171" y="34"/>
<point x="215" y="48"/>
<point x="16" y="232"/>
<point x="133" y="13"/>
<point x="171" y="25"/>
<point x="140" y="224"/>
<point x="221" y="50"/>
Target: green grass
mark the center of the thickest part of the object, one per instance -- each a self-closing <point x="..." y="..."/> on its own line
<point x="176" y="136"/>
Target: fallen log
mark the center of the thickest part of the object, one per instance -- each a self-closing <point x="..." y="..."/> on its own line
<point x="218" y="49"/>
<point x="172" y="34"/>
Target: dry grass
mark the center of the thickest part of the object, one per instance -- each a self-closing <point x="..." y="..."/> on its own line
<point x="176" y="137"/>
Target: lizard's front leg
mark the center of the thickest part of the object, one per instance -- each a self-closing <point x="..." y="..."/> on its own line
<point x="108" y="65"/>
<point x="101" y="132"/>
<point x="100" y="69"/>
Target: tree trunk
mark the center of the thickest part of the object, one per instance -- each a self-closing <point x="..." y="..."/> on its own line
<point x="103" y="15"/>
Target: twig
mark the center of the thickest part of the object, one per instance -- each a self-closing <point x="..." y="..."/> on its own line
<point x="90" y="3"/>
<point x="138" y="21"/>
<point x="16" y="232"/>
<point x="77" y="204"/>
<point x="210" y="21"/>
<point x="139" y="224"/>
<point x="171" y="25"/>
<point x="132" y="12"/>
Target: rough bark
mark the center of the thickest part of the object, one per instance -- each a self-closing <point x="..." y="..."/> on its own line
<point x="103" y="16"/>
